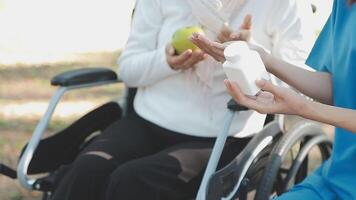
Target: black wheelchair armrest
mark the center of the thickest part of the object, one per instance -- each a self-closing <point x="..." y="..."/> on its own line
<point x="234" y="106"/>
<point x="7" y="171"/>
<point x="84" y="76"/>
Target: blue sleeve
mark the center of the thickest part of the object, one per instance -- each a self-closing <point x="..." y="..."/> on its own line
<point x="320" y="57"/>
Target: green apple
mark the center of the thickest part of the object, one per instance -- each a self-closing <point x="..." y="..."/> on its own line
<point x="181" y="38"/>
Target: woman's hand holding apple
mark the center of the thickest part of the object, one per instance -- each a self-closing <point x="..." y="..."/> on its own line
<point x="185" y="60"/>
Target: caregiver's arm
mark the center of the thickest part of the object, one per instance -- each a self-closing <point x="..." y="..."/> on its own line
<point x="292" y="36"/>
<point x="317" y="85"/>
<point x="341" y="117"/>
<point x="287" y="101"/>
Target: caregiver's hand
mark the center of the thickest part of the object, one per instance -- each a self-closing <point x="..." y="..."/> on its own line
<point x="186" y="60"/>
<point x="272" y="99"/>
<point x="243" y="33"/>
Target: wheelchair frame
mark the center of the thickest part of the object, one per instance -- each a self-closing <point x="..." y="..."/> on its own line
<point x="213" y="185"/>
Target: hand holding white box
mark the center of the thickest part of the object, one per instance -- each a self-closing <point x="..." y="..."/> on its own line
<point x="244" y="66"/>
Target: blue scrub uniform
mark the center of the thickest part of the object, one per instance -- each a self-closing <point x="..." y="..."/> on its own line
<point x="335" y="52"/>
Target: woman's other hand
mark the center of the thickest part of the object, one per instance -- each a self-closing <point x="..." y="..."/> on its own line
<point x="272" y="99"/>
<point x="186" y="60"/>
<point x="214" y="49"/>
<point x="244" y="32"/>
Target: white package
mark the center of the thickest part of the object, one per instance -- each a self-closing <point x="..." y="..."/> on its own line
<point x="244" y="66"/>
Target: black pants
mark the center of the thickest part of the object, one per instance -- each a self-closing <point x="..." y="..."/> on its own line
<point x="134" y="159"/>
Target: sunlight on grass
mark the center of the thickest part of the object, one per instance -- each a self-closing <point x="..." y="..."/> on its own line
<point x="37" y="109"/>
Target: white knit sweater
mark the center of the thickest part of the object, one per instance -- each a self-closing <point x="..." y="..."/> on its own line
<point x="177" y="100"/>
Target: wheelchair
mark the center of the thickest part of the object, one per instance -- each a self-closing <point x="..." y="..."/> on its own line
<point x="273" y="161"/>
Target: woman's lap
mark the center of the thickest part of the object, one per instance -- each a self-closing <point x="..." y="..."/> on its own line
<point x="173" y="173"/>
<point x="96" y="162"/>
<point x="124" y="140"/>
<point x="170" y="174"/>
<point x="127" y="149"/>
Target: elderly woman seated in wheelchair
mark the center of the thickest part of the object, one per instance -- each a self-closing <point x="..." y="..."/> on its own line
<point x="161" y="145"/>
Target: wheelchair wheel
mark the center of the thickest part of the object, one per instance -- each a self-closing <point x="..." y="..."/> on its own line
<point x="254" y="174"/>
<point x="289" y="163"/>
<point x="239" y="178"/>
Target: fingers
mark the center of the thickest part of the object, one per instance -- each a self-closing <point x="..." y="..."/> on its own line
<point x="235" y="36"/>
<point x="247" y="23"/>
<point x="196" y="57"/>
<point x="238" y="96"/>
<point x="242" y="34"/>
<point x="235" y="91"/>
<point x="253" y="103"/>
<point x="185" y="60"/>
<point x="219" y="46"/>
<point x="218" y="50"/>
<point x="226" y="30"/>
<point x="176" y="61"/>
<point x="182" y="57"/>
<point x="265" y="98"/>
<point x="170" y="50"/>
<point x="225" y="33"/>
<point x="222" y="38"/>
<point x="201" y="41"/>
<point x="214" y="49"/>
<point x="266" y="86"/>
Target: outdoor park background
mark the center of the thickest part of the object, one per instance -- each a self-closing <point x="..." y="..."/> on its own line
<point x="40" y="38"/>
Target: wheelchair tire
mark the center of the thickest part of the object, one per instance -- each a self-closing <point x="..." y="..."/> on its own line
<point x="308" y="134"/>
